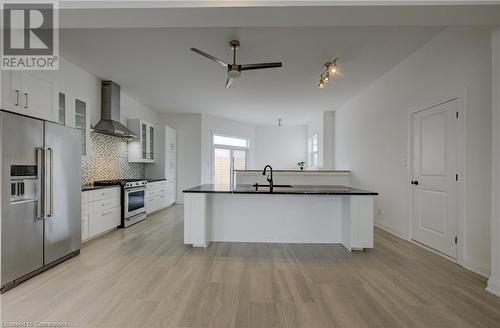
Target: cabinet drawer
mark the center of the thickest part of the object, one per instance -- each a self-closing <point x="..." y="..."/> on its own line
<point x="100" y="194"/>
<point x="102" y="221"/>
<point x="157" y="184"/>
<point x="152" y="193"/>
<point x="105" y="204"/>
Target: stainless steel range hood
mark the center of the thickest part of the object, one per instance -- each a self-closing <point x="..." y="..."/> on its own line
<point x="110" y="112"/>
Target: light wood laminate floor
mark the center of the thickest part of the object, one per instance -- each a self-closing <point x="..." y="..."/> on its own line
<point x="145" y="277"/>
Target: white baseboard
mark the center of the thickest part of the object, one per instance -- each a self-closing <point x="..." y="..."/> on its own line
<point x="468" y="264"/>
<point x="475" y="267"/>
<point x="494" y="286"/>
<point x="391" y="231"/>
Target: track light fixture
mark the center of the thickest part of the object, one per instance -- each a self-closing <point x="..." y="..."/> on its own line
<point x="328" y="74"/>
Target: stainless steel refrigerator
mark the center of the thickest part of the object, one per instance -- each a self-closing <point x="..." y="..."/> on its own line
<point x="40" y="196"/>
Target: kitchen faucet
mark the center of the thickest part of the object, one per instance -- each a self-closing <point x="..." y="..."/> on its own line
<point x="269" y="178"/>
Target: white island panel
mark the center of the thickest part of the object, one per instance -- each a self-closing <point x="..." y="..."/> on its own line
<point x="311" y="214"/>
<point x="274" y="218"/>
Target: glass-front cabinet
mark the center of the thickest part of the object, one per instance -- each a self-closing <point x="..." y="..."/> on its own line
<point x="81" y="122"/>
<point x="151" y="142"/>
<point x="144" y="141"/>
<point x="61" y="117"/>
<point x="142" y="148"/>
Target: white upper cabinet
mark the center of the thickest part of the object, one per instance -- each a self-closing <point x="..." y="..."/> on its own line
<point x="142" y="148"/>
<point x="30" y="93"/>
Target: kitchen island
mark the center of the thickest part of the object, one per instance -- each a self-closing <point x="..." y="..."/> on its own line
<point x="287" y="214"/>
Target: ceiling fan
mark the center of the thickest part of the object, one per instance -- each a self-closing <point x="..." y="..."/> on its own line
<point x="234" y="70"/>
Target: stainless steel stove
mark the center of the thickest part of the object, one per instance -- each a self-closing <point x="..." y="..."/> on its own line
<point x="133" y="199"/>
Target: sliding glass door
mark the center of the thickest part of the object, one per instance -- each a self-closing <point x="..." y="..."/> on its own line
<point x="226" y="160"/>
<point x="229" y="154"/>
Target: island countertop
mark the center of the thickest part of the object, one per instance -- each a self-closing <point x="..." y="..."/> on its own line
<point x="298" y="190"/>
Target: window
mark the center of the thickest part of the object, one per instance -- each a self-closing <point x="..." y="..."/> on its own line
<point x="230" y="141"/>
<point x="313" y="151"/>
<point x="230" y="154"/>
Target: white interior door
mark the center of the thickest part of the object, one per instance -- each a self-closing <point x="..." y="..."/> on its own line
<point x="434" y="183"/>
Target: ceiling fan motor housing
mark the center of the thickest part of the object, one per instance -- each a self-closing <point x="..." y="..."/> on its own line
<point x="233" y="71"/>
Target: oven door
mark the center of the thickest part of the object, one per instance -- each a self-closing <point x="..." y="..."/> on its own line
<point x="134" y="201"/>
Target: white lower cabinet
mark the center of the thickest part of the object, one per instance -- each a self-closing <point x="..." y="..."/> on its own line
<point x="101" y="211"/>
<point x="103" y="221"/>
<point x="159" y="195"/>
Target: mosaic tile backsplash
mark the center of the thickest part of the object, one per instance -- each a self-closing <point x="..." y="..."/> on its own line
<point x="108" y="159"/>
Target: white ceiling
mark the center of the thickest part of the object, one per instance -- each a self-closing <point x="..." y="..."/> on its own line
<point x="155" y="66"/>
<point x="154" y="14"/>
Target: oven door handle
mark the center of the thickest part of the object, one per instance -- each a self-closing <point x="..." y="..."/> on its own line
<point x="134" y="189"/>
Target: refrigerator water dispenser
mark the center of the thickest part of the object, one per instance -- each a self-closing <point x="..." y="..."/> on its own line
<point x="23" y="183"/>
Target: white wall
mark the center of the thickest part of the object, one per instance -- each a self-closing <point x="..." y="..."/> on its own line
<point x="371" y="131"/>
<point x="132" y="109"/>
<point x="281" y="147"/>
<point x="329" y="142"/>
<point x="494" y="281"/>
<point x="215" y="125"/>
<point x="188" y="149"/>
<point x="315" y="126"/>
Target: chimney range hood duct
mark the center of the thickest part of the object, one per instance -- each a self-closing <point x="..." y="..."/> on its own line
<point x="110" y="112"/>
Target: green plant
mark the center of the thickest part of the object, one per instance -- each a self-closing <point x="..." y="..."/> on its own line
<point x="301" y="164"/>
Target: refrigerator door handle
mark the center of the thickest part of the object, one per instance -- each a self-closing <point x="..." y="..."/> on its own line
<point x="49" y="190"/>
<point x="40" y="191"/>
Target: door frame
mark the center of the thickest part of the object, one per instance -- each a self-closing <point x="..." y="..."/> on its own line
<point x="461" y="98"/>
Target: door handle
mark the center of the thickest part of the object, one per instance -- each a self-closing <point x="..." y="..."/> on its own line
<point x="17" y="98"/>
<point x="49" y="189"/>
<point x="40" y="200"/>
<point x="414" y="182"/>
<point x="25" y="100"/>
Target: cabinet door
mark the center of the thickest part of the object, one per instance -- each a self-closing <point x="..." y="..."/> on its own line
<point x="82" y="120"/>
<point x="151" y="142"/>
<point x="171" y="163"/>
<point x="85" y="226"/>
<point x="11" y="91"/>
<point x="37" y="96"/>
<point x="144" y="141"/>
<point x="61" y="113"/>
<point x="170" y="139"/>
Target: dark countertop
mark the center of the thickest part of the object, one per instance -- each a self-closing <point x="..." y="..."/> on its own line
<point x="154" y="180"/>
<point x="92" y="187"/>
<point x="298" y="190"/>
<point x="298" y="171"/>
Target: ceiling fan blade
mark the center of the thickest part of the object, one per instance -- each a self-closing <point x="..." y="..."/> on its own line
<point x="229" y="81"/>
<point x="247" y="67"/>
<point x="213" y="58"/>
